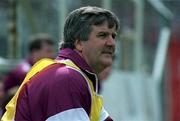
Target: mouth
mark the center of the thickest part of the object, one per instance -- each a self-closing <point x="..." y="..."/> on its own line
<point x="108" y="52"/>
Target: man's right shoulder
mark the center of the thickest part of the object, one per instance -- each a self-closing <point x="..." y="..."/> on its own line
<point x="71" y="76"/>
<point x="60" y="87"/>
<point x="58" y="74"/>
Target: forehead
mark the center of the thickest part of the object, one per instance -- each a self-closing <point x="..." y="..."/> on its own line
<point x="103" y="27"/>
<point x="46" y="46"/>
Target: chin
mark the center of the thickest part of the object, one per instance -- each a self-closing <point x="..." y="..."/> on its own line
<point x="107" y="59"/>
<point x="107" y="62"/>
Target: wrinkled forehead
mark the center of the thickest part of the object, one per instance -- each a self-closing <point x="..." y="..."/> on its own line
<point x="104" y="27"/>
<point x="101" y="19"/>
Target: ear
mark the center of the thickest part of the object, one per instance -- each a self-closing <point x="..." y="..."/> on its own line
<point x="79" y="45"/>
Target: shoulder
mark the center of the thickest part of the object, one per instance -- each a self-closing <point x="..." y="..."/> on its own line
<point x="70" y="77"/>
<point x="58" y="76"/>
<point x="21" y="69"/>
<point x="59" y="86"/>
<point x="16" y="75"/>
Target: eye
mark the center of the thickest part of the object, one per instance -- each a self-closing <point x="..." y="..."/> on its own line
<point x="102" y="35"/>
<point x="113" y="36"/>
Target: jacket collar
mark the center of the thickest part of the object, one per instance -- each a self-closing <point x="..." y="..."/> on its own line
<point x="71" y="54"/>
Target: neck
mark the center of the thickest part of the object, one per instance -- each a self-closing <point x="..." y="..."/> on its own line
<point x="94" y="69"/>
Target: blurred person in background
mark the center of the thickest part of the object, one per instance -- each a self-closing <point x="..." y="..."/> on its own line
<point x="2" y="94"/>
<point x="40" y="46"/>
<point x="103" y="76"/>
<point x="105" y="73"/>
<point x="65" y="89"/>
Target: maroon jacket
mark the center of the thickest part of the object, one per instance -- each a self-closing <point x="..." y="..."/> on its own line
<point x="57" y="93"/>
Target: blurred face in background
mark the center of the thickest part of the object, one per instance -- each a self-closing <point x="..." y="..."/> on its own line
<point x="46" y="51"/>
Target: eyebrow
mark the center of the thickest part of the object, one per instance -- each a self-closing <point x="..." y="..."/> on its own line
<point x="104" y="32"/>
<point x="115" y="33"/>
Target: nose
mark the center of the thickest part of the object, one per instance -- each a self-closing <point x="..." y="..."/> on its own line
<point x="110" y="41"/>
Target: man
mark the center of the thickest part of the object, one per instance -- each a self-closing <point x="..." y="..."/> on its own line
<point x="40" y="46"/>
<point x="66" y="89"/>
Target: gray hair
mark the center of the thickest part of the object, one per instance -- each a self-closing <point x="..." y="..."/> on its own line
<point x="78" y="24"/>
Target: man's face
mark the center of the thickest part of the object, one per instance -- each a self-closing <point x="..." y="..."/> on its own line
<point x="99" y="49"/>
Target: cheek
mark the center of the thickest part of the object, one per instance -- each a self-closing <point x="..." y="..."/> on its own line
<point x="93" y="49"/>
<point x="45" y="53"/>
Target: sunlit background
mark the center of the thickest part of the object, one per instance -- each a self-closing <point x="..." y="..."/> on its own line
<point x="144" y="84"/>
